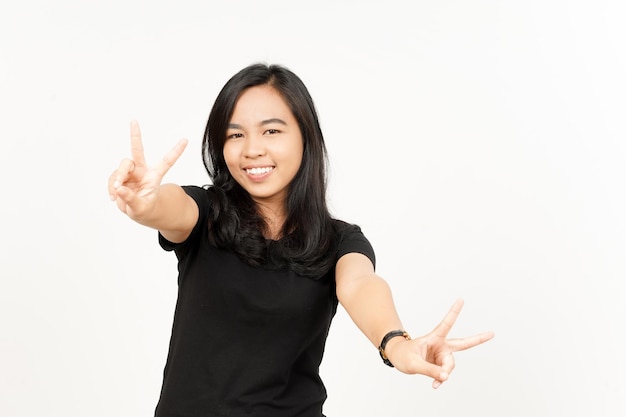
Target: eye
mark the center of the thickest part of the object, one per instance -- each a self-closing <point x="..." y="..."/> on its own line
<point x="234" y="135"/>
<point x="272" y="131"/>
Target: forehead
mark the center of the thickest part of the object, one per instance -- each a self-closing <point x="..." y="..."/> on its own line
<point x="260" y="103"/>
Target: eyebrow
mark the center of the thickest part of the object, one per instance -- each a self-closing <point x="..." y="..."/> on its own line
<point x="263" y="123"/>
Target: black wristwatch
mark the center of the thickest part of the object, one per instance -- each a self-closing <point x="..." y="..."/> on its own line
<point x="387" y="338"/>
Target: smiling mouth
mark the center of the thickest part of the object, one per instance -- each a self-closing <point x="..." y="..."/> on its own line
<point x="259" y="171"/>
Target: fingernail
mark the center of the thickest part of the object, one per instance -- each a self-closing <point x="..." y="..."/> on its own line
<point x="116" y="184"/>
<point x="436" y="384"/>
<point x="443" y="376"/>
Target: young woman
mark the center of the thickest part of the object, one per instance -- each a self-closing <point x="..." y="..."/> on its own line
<point x="262" y="263"/>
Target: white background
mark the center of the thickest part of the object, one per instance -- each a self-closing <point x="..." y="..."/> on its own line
<point x="479" y="144"/>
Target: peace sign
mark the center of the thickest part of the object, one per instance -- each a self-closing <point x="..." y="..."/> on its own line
<point x="134" y="186"/>
<point x="431" y="354"/>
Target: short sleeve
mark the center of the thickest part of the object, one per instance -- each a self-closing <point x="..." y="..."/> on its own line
<point x="201" y="197"/>
<point x="352" y="240"/>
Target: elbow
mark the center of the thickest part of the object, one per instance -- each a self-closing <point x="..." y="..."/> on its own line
<point x="349" y="289"/>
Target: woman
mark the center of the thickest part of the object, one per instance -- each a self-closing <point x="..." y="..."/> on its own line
<point x="262" y="264"/>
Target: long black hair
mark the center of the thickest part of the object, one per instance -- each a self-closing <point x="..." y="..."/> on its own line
<point x="236" y="224"/>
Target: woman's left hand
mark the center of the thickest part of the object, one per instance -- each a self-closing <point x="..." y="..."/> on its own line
<point x="432" y="354"/>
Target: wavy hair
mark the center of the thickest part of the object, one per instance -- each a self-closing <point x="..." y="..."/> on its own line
<point x="236" y="224"/>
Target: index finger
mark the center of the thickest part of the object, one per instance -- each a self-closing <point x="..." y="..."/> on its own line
<point x="448" y="321"/>
<point x="136" y="147"/>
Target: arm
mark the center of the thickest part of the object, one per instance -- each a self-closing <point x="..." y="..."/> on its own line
<point x="367" y="299"/>
<point x="137" y="191"/>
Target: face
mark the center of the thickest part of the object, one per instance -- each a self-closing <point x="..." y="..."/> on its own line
<point x="263" y="148"/>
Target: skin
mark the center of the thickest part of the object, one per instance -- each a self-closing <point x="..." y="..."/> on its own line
<point x="264" y="134"/>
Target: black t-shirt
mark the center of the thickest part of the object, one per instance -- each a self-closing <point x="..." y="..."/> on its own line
<point x="247" y="341"/>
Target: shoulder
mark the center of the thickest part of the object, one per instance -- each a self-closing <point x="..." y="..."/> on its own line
<point x="199" y="194"/>
<point x="209" y="198"/>
<point x="202" y="197"/>
<point x="344" y="229"/>
<point x="350" y="239"/>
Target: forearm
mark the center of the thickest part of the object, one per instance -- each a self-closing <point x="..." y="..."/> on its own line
<point x="369" y="302"/>
<point x="174" y="213"/>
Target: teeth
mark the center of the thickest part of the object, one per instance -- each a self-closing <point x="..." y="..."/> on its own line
<point x="259" y="171"/>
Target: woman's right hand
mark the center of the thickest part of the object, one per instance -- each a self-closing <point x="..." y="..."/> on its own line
<point x="134" y="186"/>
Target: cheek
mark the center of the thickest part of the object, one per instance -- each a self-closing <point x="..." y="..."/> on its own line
<point x="290" y="157"/>
<point x="292" y="152"/>
<point x="299" y="155"/>
<point x="229" y="157"/>
<point x="297" y="162"/>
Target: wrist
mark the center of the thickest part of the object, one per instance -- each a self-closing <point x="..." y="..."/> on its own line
<point x="389" y="341"/>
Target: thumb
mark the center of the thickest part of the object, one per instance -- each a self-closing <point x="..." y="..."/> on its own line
<point x="438" y="375"/>
<point x="434" y="371"/>
<point x="129" y="202"/>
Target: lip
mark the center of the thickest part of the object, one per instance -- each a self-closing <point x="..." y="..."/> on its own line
<point x="260" y="176"/>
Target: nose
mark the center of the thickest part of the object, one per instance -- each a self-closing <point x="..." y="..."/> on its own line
<point x="254" y="146"/>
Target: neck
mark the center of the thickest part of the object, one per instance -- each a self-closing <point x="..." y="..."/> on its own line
<point x="274" y="217"/>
